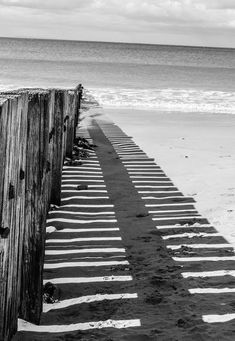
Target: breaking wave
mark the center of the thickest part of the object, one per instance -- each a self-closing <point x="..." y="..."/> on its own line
<point x="166" y="99"/>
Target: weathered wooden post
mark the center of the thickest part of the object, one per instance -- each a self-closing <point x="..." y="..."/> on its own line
<point x="57" y="161"/>
<point x="35" y="209"/>
<point x="13" y="141"/>
<point x="37" y="128"/>
<point x="79" y="92"/>
<point x="4" y="225"/>
<point x="71" y="122"/>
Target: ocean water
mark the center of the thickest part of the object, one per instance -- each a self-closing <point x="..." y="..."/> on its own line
<point x="170" y="78"/>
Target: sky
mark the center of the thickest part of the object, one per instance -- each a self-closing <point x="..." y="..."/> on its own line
<point x="178" y="22"/>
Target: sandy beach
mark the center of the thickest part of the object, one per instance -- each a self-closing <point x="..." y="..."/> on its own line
<point x="117" y="192"/>
<point x="196" y="150"/>
<point x="117" y="276"/>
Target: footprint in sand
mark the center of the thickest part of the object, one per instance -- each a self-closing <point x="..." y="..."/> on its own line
<point x="154" y="298"/>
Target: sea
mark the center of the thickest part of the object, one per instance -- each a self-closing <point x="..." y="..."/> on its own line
<point x="168" y="78"/>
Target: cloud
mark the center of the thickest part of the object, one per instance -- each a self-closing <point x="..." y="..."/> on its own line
<point x="169" y="11"/>
<point x="55" y="5"/>
<point x="221" y="4"/>
<point x="121" y="18"/>
<point x="173" y="13"/>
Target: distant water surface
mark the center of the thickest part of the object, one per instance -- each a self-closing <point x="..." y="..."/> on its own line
<point x="172" y="78"/>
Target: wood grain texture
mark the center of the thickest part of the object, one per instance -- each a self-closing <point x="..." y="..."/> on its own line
<point x="36" y="133"/>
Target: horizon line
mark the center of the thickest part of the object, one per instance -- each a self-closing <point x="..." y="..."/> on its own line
<point x="119" y="42"/>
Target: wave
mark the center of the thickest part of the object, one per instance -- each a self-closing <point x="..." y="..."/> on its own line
<point x="190" y="100"/>
<point x="169" y="99"/>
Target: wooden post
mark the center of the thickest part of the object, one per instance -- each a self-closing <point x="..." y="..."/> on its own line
<point x="33" y="142"/>
<point x="57" y="162"/>
<point x="65" y="121"/>
<point x="5" y="331"/>
<point x="79" y="92"/>
<point x="71" y="123"/>
<point x="30" y="307"/>
<point x="12" y="211"/>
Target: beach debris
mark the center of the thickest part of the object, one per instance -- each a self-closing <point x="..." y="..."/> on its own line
<point x="82" y="143"/>
<point x="67" y="161"/>
<point x="72" y="162"/>
<point x="82" y="187"/>
<point x="54" y="207"/>
<point x="76" y="162"/>
<point x="50" y="229"/>
<point x="50" y="293"/>
<point x="196" y="225"/>
<point x="80" y="153"/>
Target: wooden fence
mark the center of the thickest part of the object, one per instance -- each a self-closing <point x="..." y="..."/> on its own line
<point x="37" y="129"/>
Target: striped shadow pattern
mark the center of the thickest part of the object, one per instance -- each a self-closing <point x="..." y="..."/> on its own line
<point x="84" y="259"/>
<point x="206" y="258"/>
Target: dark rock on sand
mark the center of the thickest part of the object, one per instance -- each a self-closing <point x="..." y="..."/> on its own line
<point x="82" y="187"/>
<point x="50" y="293"/>
<point x="142" y="215"/>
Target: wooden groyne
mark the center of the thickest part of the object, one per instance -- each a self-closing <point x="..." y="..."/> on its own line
<point x="37" y="129"/>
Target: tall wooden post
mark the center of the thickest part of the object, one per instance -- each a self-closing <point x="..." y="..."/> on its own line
<point x="57" y="161"/>
<point x="37" y="128"/>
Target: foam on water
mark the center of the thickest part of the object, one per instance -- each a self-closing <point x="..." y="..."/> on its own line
<point x="191" y="100"/>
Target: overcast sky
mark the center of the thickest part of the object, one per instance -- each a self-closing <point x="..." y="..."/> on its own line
<point x="184" y="22"/>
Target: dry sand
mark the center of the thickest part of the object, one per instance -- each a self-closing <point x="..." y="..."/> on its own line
<point x="196" y="150"/>
<point x="166" y="307"/>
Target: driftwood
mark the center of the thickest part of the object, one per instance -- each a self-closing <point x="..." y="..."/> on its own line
<point x="37" y="129"/>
